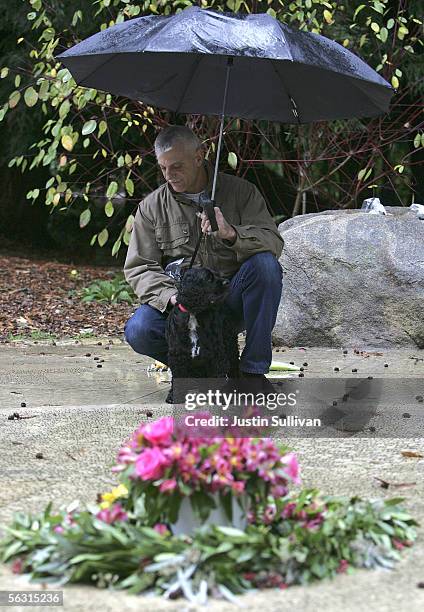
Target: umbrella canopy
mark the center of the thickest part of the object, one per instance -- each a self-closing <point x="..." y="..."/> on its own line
<point x="180" y="63"/>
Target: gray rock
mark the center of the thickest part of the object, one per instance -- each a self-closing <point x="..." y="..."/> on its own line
<point x="352" y="279"/>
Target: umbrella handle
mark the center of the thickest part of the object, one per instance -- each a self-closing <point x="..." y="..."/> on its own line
<point x="208" y="207"/>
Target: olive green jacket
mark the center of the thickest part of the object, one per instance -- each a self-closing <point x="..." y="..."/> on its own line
<point x="166" y="228"/>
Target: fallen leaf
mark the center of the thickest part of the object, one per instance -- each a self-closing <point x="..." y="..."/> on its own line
<point x="385" y="485"/>
<point x="412" y="454"/>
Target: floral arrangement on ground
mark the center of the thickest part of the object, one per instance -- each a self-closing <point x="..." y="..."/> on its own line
<point x="129" y="539"/>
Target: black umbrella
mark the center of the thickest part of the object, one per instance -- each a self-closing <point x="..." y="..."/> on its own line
<point x="183" y="63"/>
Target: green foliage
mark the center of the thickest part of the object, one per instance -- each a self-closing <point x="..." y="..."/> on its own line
<point x="110" y="291"/>
<point x="97" y="148"/>
<point x="34" y="335"/>
<point x="131" y="555"/>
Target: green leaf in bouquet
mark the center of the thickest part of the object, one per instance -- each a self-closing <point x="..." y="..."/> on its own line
<point x="386" y="527"/>
<point x="232" y="532"/>
<point x="245" y="554"/>
<point x="202" y="504"/>
<point x="136" y="583"/>
<point x="115" y="533"/>
<point x="13" y="549"/>
<point x="222" y="548"/>
<point x="172" y="560"/>
<point x="394" y="501"/>
<point x="22" y="535"/>
<point x="318" y="569"/>
<point x="185" y="489"/>
<point x="400" y="516"/>
<point x="226" y="501"/>
<point x="85" y="557"/>
<point x="174" y="505"/>
<point x="149" y="532"/>
<point x="52" y="567"/>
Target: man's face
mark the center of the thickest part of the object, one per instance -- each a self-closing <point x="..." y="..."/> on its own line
<point x="181" y="166"/>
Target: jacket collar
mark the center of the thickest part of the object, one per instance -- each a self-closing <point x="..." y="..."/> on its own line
<point x="182" y="198"/>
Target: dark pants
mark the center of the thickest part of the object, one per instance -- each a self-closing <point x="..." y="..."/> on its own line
<point x="254" y="296"/>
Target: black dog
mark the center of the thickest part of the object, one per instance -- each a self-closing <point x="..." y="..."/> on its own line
<point x="201" y="331"/>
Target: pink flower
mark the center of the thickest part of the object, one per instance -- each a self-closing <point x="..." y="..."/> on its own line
<point x="58" y="529"/>
<point x="343" y="565"/>
<point x="150" y="464"/>
<point x="315" y="522"/>
<point x="397" y="544"/>
<point x="291" y="467"/>
<point x="112" y="514"/>
<point x="269" y="514"/>
<point x="279" y="490"/>
<point x="159" y="432"/>
<point x="288" y="510"/>
<point x="161" y="528"/>
<point x="17" y="566"/>
<point x="238" y="486"/>
<point x="168" y="485"/>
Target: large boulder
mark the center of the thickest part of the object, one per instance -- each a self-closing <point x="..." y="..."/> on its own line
<point x="352" y="279"/>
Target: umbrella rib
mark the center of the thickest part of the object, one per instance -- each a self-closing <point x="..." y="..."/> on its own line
<point x="189" y="80"/>
<point x="290" y="97"/>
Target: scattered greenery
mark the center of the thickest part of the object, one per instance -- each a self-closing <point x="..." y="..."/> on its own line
<point x="33" y="335"/>
<point x="111" y="291"/>
<point x="85" y="333"/>
<point x="74" y="546"/>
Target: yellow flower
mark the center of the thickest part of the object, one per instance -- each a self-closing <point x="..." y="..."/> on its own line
<point x="104" y="505"/>
<point x="119" y="491"/>
<point x="108" y="497"/>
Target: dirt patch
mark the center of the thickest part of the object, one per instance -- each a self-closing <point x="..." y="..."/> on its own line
<point x="38" y="298"/>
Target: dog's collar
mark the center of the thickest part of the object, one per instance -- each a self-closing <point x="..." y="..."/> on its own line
<point x="181" y="307"/>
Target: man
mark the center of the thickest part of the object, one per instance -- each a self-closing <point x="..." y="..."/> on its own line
<point x="245" y="249"/>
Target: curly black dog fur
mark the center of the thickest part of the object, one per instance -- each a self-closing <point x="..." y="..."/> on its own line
<point x="201" y="330"/>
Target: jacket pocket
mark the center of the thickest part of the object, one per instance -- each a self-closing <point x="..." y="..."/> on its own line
<point x="172" y="235"/>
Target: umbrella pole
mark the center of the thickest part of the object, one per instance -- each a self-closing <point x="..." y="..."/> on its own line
<point x="221" y="128"/>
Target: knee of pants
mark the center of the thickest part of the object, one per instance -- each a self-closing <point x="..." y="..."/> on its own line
<point x="138" y="332"/>
<point x="265" y="266"/>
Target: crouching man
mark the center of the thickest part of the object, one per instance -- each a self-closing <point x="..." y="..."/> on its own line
<point x="245" y="249"/>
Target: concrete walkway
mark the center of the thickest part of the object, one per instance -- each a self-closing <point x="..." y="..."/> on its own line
<point x="81" y="414"/>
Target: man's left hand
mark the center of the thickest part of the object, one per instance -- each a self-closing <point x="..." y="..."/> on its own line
<point x="225" y="230"/>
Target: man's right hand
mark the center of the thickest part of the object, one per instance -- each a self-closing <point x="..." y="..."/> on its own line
<point x="173" y="299"/>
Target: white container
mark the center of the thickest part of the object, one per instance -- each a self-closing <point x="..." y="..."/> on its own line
<point x="373" y="206"/>
<point x="188" y="522"/>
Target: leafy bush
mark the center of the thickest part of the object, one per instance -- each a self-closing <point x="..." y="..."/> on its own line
<point x="110" y="291"/>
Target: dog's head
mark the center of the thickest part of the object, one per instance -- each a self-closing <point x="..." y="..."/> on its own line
<point x="199" y="288"/>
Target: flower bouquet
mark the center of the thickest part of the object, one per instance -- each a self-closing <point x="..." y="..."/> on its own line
<point x="171" y="474"/>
